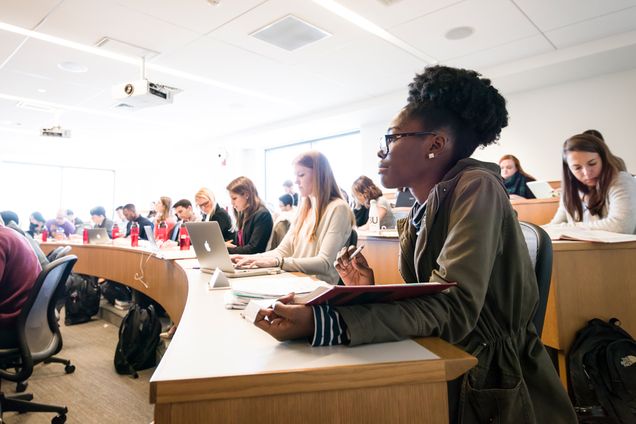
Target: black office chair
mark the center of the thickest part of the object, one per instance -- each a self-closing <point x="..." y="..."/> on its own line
<point x="540" y="248"/>
<point x="38" y="339"/>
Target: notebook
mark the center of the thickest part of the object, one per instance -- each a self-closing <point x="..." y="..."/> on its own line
<point x="98" y="236"/>
<point x="209" y="246"/>
<point x="541" y="189"/>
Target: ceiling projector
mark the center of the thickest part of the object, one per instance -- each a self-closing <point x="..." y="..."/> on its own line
<point x="55" y="131"/>
<point x="142" y="93"/>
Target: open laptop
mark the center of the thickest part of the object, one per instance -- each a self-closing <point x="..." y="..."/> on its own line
<point x="541" y="189"/>
<point x="209" y="245"/>
<point x="98" y="236"/>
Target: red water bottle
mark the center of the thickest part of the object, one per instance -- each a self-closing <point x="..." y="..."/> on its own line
<point x="184" y="238"/>
<point x="162" y="231"/>
<point x="85" y="236"/>
<point x="45" y="234"/>
<point x="134" y="234"/>
<point x="115" y="231"/>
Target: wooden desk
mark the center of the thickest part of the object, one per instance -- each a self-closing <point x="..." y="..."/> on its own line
<point x="589" y="280"/>
<point x="382" y="254"/>
<point x="536" y="211"/>
<point x="220" y="368"/>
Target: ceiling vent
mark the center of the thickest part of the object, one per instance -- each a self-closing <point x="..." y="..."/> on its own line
<point x="128" y="49"/>
<point x="36" y="107"/>
<point x="290" y="33"/>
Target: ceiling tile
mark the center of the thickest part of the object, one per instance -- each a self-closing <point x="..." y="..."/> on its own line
<point x="496" y="22"/>
<point x="551" y="14"/>
<point x="399" y="12"/>
<point x="26" y="14"/>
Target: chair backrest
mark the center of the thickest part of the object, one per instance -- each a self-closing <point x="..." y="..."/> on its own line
<point x="279" y="230"/>
<point x="540" y="249"/>
<point x="353" y="238"/>
<point x="38" y="330"/>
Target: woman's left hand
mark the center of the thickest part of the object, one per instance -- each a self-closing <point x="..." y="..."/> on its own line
<point x="228" y="243"/>
<point x="256" y="262"/>
<point x="285" y="321"/>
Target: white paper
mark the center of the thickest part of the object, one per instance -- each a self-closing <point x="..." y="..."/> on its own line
<point x="566" y="233"/>
<point x="273" y="287"/>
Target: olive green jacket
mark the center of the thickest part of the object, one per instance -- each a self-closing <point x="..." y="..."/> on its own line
<point x="470" y="234"/>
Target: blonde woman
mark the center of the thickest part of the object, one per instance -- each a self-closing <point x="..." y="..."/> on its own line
<point x="322" y="226"/>
<point x="211" y="211"/>
<point x="253" y="221"/>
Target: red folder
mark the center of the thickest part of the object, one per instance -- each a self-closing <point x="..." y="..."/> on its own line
<point x="352" y="295"/>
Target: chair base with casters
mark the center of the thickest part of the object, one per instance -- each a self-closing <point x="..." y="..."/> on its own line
<point x="69" y="368"/>
<point x="22" y="403"/>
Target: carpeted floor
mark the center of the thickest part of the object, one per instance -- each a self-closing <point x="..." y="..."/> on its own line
<point x="95" y="393"/>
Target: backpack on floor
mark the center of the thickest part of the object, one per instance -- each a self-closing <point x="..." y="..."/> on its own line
<point x="112" y="291"/>
<point x="138" y="341"/>
<point x="602" y="372"/>
<point x="82" y="298"/>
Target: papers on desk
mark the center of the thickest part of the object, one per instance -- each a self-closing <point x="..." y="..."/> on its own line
<point x="267" y="287"/>
<point x="598" y="236"/>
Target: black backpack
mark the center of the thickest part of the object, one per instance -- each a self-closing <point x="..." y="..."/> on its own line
<point x="138" y="341"/>
<point x="602" y="372"/>
<point x="82" y="298"/>
<point x="114" y="291"/>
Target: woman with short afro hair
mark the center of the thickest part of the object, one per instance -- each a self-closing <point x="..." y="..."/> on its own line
<point x="462" y="228"/>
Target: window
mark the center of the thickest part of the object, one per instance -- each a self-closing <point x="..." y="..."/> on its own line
<point x="342" y="151"/>
<point x="29" y="187"/>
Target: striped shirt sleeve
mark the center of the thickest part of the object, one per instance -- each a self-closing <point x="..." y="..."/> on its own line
<point x="329" y="327"/>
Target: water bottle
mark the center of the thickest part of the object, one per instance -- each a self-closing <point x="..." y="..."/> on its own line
<point x="134" y="234"/>
<point x="184" y="238"/>
<point x="374" y="218"/>
<point x="45" y="234"/>
<point x="115" y="231"/>
<point x="162" y="231"/>
<point x="85" y="236"/>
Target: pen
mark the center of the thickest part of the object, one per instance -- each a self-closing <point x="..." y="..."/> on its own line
<point x="355" y="252"/>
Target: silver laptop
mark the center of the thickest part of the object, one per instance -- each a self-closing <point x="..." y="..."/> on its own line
<point x="98" y="236"/>
<point x="150" y="235"/>
<point x="541" y="189"/>
<point x="211" y="251"/>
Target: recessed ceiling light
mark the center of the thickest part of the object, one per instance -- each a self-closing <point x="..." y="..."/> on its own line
<point x="459" y="33"/>
<point x="41" y="90"/>
<point x="74" y="67"/>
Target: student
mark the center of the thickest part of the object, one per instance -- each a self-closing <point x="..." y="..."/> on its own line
<point x="364" y="190"/>
<point x="515" y="178"/>
<point x="36" y="223"/>
<point x="288" y="186"/>
<point x="62" y="223"/>
<point x="462" y="228"/>
<point x="322" y="226"/>
<point x="211" y="211"/>
<point x="130" y="212"/>
<point x="595" y="194"/>
<point x="19" y="268"/>
<point x="162" y="209"/>
<point x="597" y="133"/>
<point x="253" y="221"/>
<point x="98" y="216"/>
<point x="284" y="218"/>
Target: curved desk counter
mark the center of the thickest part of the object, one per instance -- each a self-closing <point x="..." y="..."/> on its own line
<point x="220" y="368"/>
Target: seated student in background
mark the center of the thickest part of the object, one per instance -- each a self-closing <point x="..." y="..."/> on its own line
<point x="19" y="268"/>
<point x="60" y="222"/>
<point x="70" y="215"/>
<point x="98" y="216"/>
<point x="211" y="211"/>
<point x="322" y="226"/>
<point x="462" y="228"/>
<point x="253" y="221"/>
<point x="163" y="215"/>
<point x="185" y="213"/>
<point x="595" y="194"/>
<point x="130" y="212"/>
<point x="284" y="218"/>
<point x="515" y="178"/>
<point x="8" y="216"/>
<point x="364" y="190"/>
<point x="36" y="223"/>
<point x="288" y="186"/>
<point x="286" y="207"/>
<point x="597" y="134"/>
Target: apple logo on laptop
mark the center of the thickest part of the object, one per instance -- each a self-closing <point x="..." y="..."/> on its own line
<point x="206" y="245"/>
<point x="99" y="236"/>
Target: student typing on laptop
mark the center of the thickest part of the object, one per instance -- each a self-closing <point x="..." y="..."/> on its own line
<point x="253" y="221"/>
<point x="322" y="227"/>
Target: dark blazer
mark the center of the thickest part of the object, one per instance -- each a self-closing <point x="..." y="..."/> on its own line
<point x="224" y="220"/>
<point x="256" y="233"/>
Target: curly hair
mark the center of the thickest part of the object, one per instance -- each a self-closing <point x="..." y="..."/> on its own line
<point x="458" y="99"/>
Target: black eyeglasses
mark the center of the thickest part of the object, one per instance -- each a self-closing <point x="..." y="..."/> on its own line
<point x="387" y="139"/>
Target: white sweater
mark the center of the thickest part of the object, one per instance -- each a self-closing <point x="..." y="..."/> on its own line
<point x="316" y="257"/>
<point x="621" y="209"/>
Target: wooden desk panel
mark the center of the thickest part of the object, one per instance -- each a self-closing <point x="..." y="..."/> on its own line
<point x="536" y="211"/>
<point x="382" y="254"/>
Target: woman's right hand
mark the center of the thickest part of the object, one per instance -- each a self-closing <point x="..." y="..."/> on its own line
<point x="356" y="271"/>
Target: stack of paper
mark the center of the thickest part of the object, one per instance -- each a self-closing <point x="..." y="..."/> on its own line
<point x="599" y="236"/>
<point x="245" y="289"/>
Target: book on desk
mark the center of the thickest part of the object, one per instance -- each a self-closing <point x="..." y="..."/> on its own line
<point x="557" y="232"/>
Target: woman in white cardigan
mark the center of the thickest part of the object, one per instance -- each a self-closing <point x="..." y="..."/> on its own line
<point x="596" y="195"/>
<point x="322" y="227"/>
